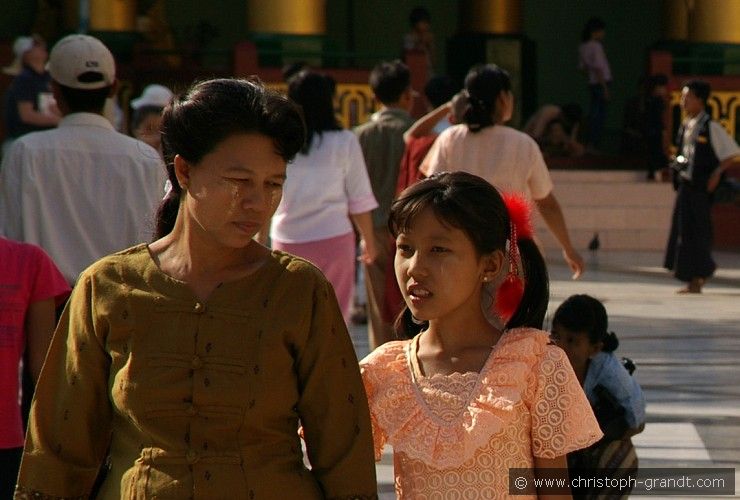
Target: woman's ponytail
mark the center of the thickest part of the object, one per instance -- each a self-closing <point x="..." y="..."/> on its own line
<point x="168" y="208"/>
<point x="533" y="305"/>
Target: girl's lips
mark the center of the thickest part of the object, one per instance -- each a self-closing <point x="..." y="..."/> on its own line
<point x="248" y="227"/>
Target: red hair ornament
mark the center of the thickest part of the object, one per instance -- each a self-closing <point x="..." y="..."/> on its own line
<point x="510" y="292"/>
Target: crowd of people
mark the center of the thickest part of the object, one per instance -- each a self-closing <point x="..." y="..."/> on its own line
<point x="200" y="275"/>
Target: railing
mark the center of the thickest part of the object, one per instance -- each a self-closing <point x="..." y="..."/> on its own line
<point x="353" y="102"/>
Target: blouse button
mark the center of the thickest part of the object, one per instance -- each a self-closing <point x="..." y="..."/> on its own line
<point x="199" y="308"/>
<point x="192" y="411"/>
<point x="191" y="456"/>
<point x="197" y="363"/>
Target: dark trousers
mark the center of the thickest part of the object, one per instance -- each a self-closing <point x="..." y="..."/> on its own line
<point x="689" y="252"/>
<point x="10" y="462"/>
<point x="596" y="115"/>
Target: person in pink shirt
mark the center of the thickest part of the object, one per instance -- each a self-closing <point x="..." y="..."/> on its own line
<point x="31" y="287"/>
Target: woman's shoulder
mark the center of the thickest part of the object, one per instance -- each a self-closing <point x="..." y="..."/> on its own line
<point x="136" y="257"/>
<point x="297" y="269"/>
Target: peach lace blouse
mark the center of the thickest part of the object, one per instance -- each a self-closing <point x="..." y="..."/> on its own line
<point x="456" y="436"/>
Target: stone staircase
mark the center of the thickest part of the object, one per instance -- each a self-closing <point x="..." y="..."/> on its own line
<point x="628" y="212"/>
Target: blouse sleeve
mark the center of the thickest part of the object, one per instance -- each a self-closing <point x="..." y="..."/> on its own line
<point x="48" y="280"/>
<point x="333" y="406"/>
<point x="562" y="419"/>
<point x="379" y="437"/>
<point x="357" y="181"/>
<point x="70" y="423"/>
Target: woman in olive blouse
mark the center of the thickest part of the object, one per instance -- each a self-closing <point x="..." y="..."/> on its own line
<point x="193" y="360"/>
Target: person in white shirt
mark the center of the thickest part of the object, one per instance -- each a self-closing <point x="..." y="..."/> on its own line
<point x="326" y="190"/>
<point x="507" y="158"/>
<point x="83" y="190"/>
<point x="592" y="59"/>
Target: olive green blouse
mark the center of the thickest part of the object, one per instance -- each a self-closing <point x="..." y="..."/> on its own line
<point x="200" y="399"/>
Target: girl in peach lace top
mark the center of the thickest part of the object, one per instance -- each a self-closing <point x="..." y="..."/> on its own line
<point x="462" y="402"/>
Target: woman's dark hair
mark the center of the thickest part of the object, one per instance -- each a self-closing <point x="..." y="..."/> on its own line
<point x="585" y="314"/>
<point x="483" y="84"/>
<point x="699" y="88"/>
<point x="469" y="203"/>
<point x="194" y="123"/>
<point x="592" y="26"/>
<point x="314" y="93"/>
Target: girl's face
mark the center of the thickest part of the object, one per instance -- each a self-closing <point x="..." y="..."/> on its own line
<point x="576" y="345"/>
<point x="234" y="190"/>
<point x="439" y="270"/>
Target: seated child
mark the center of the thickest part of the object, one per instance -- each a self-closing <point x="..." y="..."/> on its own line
<point x="579" y="327"/>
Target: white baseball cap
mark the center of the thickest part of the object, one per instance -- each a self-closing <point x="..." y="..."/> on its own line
<point x="21" y="45"/>
<point x="82" y="62"/>
<point x="153" y="95"/>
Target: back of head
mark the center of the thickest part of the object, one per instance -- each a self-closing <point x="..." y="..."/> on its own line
<point x="419" y="14"/>
<point x="483" y="85"/>
<point x="85" y="70"/>
<point x="699" y="88"/>
<point x="439" y="90"/>
<point x="389" y="80"/>
<point x="459" y="105"/>
<point x="471" y="204"/>
<point x="585" y="314"/>
<point x="194" y="123"/>
<point x="314" y="93"/>
<point x="593" y="25"/>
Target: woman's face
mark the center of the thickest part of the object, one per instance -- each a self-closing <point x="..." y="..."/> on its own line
<point x="148" y="130"/>
<point x="234" y="190"/>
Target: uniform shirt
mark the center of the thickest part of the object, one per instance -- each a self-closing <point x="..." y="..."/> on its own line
<point x="606" y="370"/>
<point x="80" y="191"/>
<point x="28" y="86"/>
<point x="592" y="59"/>
<point x="200" y="399"/>
<point x="322" y="189"/>
<point x="382" y="144"/>
<point x="27" y="275"/>
<point x="507" y="158"/>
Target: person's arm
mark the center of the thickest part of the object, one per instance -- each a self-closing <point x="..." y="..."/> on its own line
<point x="425" y="125"/>
<point x="716" y="176"/>
<point x="332" y="405"/>
<point x="364" y="224"/>
<point x="70" y="423"/>
<point x="553" y="216"/>
<point x="30" y="116"/>
<point x="40" y="323"/>
<point x="556" y="468"/>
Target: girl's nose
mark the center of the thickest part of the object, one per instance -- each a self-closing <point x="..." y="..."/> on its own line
<point x="417" y="266"/>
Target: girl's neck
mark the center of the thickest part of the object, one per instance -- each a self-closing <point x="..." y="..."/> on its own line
<point x="458" y="333"/>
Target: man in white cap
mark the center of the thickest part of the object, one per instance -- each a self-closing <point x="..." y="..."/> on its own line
<point x="147" y="114"/>
<point x="29" y="106"/>
<point x="82" y="190"/>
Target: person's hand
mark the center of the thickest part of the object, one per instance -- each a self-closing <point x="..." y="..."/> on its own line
<point x="714" y="179"/>
<point x="575" y="262"/>
<point x="368" y="251"/>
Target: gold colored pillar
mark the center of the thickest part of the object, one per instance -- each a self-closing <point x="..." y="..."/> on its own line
<point x="498" y="17"/>
<point x="112" y="15"/>
<point x="676" y="19"/>
<point x="716" y="21"/>
<point x="290" y="17"/>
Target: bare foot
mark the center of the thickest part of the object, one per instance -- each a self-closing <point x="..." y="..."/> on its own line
<point x="694" y="286"/>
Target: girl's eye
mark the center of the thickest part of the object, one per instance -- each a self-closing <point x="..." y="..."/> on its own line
<point x="439" y="249"/>
<point x="403" y="248"/>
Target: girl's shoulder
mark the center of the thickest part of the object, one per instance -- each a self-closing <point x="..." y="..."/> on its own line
<point x="390" y="355"/>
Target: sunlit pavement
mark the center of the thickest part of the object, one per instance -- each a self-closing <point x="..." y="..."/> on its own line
<point x="686" y="348"/>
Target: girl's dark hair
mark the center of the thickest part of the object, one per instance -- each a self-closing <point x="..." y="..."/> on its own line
<point x="194" y="123"/>
<point x="592" y="26"/>
<point x="468" y="202"/>
<point x="585" y="314"/>
<point x="314" y="93"/>
<point x="483" y="84"/>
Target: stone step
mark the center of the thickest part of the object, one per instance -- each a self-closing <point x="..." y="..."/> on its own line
<point x="628" y="212"/>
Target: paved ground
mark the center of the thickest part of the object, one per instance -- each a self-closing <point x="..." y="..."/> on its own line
<point x="687" y="351"/>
